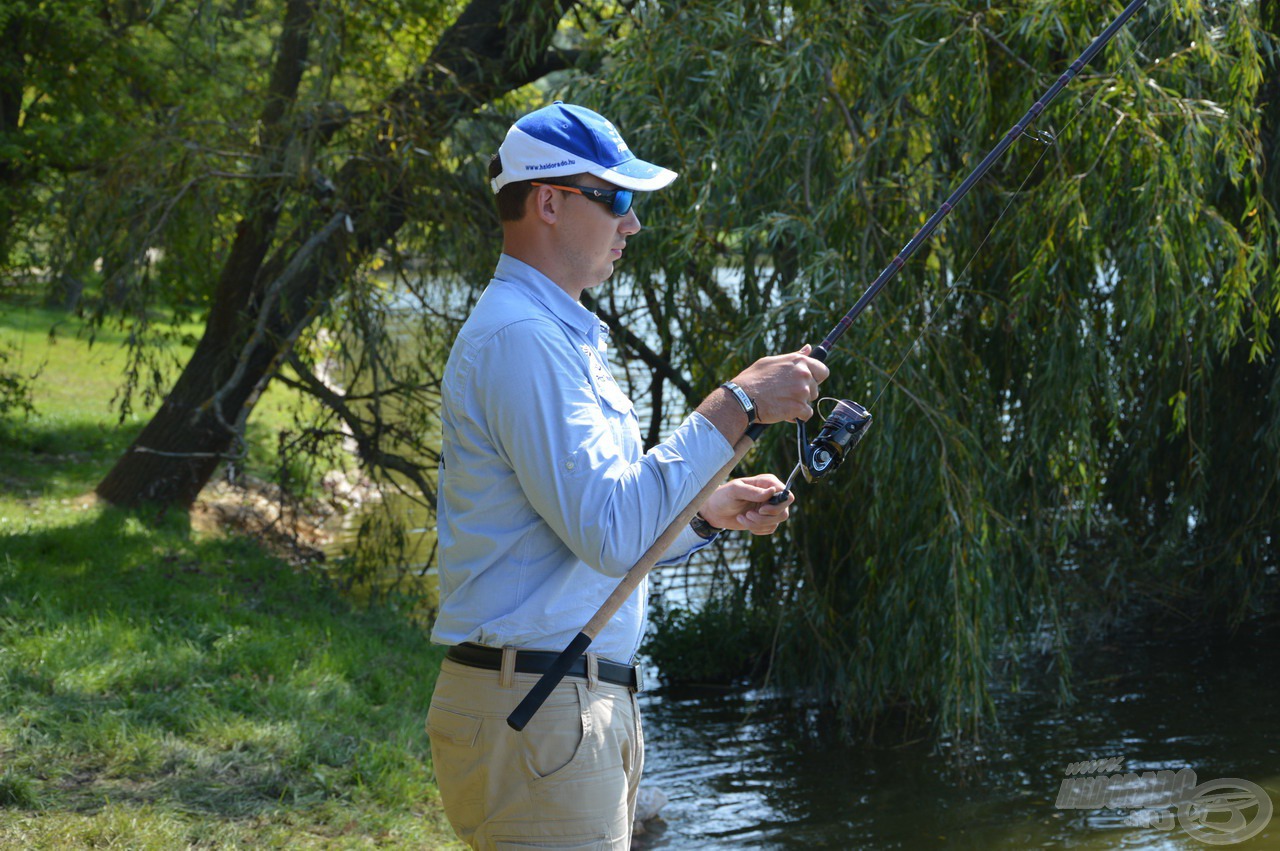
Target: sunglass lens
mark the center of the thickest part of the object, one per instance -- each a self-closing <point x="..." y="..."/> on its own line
<point x="622" y="199"/>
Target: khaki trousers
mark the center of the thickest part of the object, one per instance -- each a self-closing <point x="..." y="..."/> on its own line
<point x="567" y="782"/>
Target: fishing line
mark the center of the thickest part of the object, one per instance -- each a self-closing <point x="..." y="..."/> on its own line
<point x="1048" y="140"/>
<point x="928" y="320"/>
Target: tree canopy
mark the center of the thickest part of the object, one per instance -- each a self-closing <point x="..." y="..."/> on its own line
<point x="1074" y="383"/>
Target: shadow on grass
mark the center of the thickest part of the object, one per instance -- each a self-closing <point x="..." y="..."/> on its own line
<point x="42" y="457"/>
<point x="205" y="677"/>
<point x="26" y="316"/>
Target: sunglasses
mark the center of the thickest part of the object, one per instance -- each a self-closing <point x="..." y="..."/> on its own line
<point x="619" y="200"/>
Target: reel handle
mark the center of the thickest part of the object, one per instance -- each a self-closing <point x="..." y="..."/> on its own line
<point x="781" y="496"/>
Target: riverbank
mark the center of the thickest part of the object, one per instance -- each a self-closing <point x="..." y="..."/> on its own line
<point x="165" y="686"/>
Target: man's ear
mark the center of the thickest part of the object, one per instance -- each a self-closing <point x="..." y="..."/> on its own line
<point x="545" y="203"/>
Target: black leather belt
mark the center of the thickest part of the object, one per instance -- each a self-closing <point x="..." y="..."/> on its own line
<point x="538" y="661"/>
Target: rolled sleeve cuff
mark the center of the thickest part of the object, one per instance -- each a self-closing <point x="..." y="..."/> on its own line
<point x="697" y="438"/>
<point x="684" y="546"/>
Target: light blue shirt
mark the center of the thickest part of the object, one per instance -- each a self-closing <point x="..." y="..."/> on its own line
<point x="546" y="494"/>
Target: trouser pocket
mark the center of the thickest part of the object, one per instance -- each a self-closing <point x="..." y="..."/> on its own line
<point x="458" y="763"/>
<point x="555" y="748"/>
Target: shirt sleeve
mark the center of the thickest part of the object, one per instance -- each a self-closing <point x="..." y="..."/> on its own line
<point x="544" y="418"/>
<point x="684" y="546"/>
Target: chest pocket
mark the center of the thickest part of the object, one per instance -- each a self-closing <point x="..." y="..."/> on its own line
<point x="606" y="388"/>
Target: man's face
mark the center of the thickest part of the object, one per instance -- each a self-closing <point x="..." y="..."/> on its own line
<point x="593" y="238"/>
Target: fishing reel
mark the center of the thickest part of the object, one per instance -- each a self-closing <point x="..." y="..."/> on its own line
<point x="843" y="428"/>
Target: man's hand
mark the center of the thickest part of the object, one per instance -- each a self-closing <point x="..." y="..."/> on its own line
<point x="783" y="386"/>
<point x="744" y="504"/>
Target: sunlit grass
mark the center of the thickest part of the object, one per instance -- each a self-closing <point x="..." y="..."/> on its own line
<point x="77" y="429"/>
<point x="161" y="691"/>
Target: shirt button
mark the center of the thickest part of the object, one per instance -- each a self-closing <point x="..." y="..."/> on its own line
<point x="569" y="465"/>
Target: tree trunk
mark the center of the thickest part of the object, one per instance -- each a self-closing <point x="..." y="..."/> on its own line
<point x="189" y="436"/>
<point x="265" y="300"/>
<point x="12" y="82"/>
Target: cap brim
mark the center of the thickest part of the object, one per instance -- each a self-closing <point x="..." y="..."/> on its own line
<point x="636" y="174"/>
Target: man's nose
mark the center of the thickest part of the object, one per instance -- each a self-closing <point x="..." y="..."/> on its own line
<point x="630" y="223"/>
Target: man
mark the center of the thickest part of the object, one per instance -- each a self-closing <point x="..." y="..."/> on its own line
<point x="547" y="498"/>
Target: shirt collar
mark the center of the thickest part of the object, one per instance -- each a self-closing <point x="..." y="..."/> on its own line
<point x="563" y="306"/>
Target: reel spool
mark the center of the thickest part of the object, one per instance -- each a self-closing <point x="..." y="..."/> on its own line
<point x="843" y="428"/>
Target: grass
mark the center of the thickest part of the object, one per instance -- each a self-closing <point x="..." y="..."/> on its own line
<point x="163" y="689"/>
<point x="77" y="431"/>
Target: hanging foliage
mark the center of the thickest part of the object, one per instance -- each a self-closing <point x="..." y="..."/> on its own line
<point x="1073" y="383"/>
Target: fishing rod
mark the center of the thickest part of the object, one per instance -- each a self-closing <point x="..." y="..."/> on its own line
<point x="841" y="430"/>
<point x="848" y="422"/>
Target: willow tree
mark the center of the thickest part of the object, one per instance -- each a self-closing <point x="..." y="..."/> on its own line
<point x="264" y="210"/>
<point x="1074" y="383"/>
<point x="74" y="78"/>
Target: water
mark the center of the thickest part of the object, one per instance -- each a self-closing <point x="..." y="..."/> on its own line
<point x="745" y="770"/>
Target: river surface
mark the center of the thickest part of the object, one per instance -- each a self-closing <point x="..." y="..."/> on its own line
<point x="749" y="770"/>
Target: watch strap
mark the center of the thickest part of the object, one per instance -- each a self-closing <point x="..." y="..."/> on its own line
<point x="748" y="404"/>
<point x="703" y="529"/>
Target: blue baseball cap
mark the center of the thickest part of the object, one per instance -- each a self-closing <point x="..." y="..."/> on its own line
<point x="563" y="139"/>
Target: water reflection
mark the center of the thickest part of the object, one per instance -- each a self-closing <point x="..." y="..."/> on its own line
<point x="745" y="770"/>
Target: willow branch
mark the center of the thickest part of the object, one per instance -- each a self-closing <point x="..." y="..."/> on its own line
<point x="366" y="443"/>
<point x="651" y="359"/>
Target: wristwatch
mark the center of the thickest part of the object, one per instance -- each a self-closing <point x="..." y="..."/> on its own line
<point x="748" y="406"/>
<point x="703" y="528"/>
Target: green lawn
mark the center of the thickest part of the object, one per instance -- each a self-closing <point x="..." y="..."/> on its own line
<point x="77" y="430"/>
<point x="163" y="689"/>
